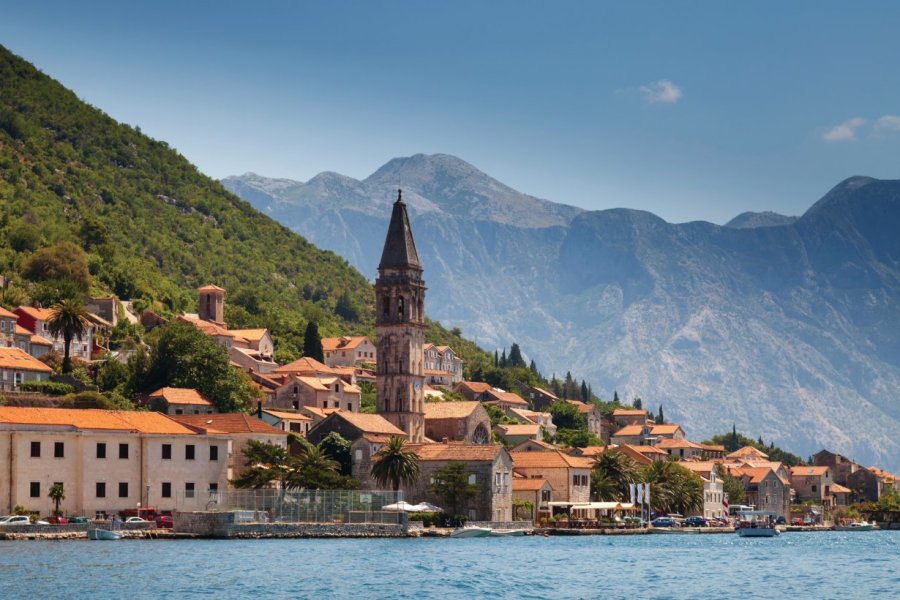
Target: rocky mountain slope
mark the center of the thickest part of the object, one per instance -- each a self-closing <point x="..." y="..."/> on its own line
<point x="789" y="327"/>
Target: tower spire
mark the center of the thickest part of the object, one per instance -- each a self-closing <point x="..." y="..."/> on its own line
<point x="399" y="246"/>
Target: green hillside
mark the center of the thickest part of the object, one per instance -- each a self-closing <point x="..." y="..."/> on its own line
<point x="154" y="228"/>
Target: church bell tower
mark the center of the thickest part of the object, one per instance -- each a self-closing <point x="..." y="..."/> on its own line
<point x="400" y="328"/>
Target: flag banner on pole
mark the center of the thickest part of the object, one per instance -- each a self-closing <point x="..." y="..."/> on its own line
<point x="631" y="491"/>
<point x="647" y="493"/>
<point x="640" y="494"/>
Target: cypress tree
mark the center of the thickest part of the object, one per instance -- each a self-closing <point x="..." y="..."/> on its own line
<point x="503" y="361"/>
<point x="515" y="356"/>
<point x="496" y="359"/>
<point x="661" y="419"/>
<point x="533" y="367"/>
<point x="584" y="391"/>
<point x="615" y="397"/>
<point x="312" y="342"/>
<point x="637" y="404"/>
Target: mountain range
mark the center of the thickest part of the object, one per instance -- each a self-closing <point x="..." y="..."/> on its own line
<point x="787" y="327"/>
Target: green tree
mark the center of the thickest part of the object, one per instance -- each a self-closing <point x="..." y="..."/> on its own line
<point x="611" y="476"/>
<point x="312" y="342"/>
<point x="660" y="418"/>
<point x="515" y="356"/>
<point x="346" y="309"/>
<point x="566" y="415"/>
<point x="732" y="486"/>
<point x="451" y="484"/>
<point x="69" y="320"/>
<point x="266" y="463"/>
<point x="335" y="446"/>
<point x="57" y="494"/>
<point x="673" y="488"/>
<point x="584" y="392"/>
<point x="182" y="356"/>
<point x="395" y="464"/>
<point x="637" y="403"/>
<point x="314" y="469"/>
<point x="577" y="438"/>
<point x="615" y="396"/>
<point x="64" y="260"/>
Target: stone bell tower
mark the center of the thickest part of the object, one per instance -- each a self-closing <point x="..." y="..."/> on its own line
<point x="400" y="328"/>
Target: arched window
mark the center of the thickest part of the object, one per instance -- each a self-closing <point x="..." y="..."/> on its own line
<point x="386" y="306"/>
<point x="421" y="310"/>
<point x="400" y="307"/>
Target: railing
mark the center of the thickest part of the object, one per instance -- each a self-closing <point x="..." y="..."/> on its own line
<point x="308" y="506"/>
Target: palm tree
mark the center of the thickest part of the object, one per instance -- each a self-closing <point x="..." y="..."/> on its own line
<point x="395" y="464"/>
<point x="611" y="476"/>
<point x="673" y="489"/>
<point x="57" y="494"/>
<point x="69" y="320"/>
<point x="266" y="463"/>
<point x="313" y="469"/>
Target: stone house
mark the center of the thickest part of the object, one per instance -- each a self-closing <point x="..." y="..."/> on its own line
<point x="632" y="435"/>
<point x="812" y="483"/>
<point x="868" y="484"/>
<point x="473" y="390"/>
<point x="643" y="455"/>
<point x="505" y="400"/>
<point x="569" y="476"/>
<point x="592" y="416"/>
<point x="287" y="421"/>
<point x="443" y="363"/>
<point x="351" y="426"/>
<point x="8" y="329"/>
<point x="36" y="321"/>
<point x="538" y="492"/>
<point x="466" y="421"/>
<point x="516" y="433"/>
<point x="17" y="367"/>
<point x="31" y="343"/>
<point x="540" y="399"/>
<point x="681" y="449"/>
<point x="107" y="461"/>
<point x="765" y="489"/>
<point x="320" y="392"/>
<point x="180" y="401"/>
<point x="348" y="351"/>
<point x="240" y="428"/>
<point x="841" y="466"/>
<point x="623" y="417"/>
<point x="524" y="415"/>
<point x="488" y="465"/>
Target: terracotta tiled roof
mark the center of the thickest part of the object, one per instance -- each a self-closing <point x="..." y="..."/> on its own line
<point x="228" y="423"/>
<point x="476" y="387"/>
<point x="553" y="459"/>
<point x="675" y="444"/>
<point x="210" y="329"/>
<point x="342" y="343"/>
<point x="251" y="335"/>
<point x="506" y="397"/>
<point x="583" y="407"/>
<point x="700" y="467"/>
<point x="629" y="412"/>
<point x="540" y="443"/>
<point x="666" y="429"/>
<point x="40" y="341"/>
<point x="546" y="393"/>
<point x="286" y="415"/>
<point x="304" y="365"/>
<point x="591" y="451"/>
<point x="41" y="314"/>
<point x="369" y="423"/>
<point x="458" y="452"/>
<point x="713" y="447"/>
<point x="180" y="396"/>
<point x="814" y="471"/>
<point x="837" y="488"/>
<point x="450" y="410"/>
<point x="16" y="358"/>
<point x="319" y="412"/>
<point x="629" y="431"/>
<point x="94" y="419"/>
<point x="210" y="288"/>
<point x="529" y="485"/>
<point x="748" y="452"/>
<point x="8" y="314"/>
<point x="529" y="429"/>
<point x="648" y="450"/>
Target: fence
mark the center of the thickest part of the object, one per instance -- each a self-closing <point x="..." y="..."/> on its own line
<point x="308" y="506"/>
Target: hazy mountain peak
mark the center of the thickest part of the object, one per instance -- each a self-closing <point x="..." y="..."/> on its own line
<point x="752" y="220"/>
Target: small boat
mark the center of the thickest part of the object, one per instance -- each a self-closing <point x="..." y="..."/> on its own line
<point x="506" y="532"/>
<point x="104" y="534"/>
<point x="471" y="532"/>
<point x="855" y="526"/>
<point x="757" y="524"/>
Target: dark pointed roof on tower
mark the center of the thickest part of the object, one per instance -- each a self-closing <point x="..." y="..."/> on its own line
<point x="399" y="247"/>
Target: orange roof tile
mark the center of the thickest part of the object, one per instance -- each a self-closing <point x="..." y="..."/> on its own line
<point x="450" y="410"/>
<point x="529" y="429"/>
<point x="18" y="359"/>
<point x="629" y="431"/>
<point x="95" y="419"/>
<point x="648" y="450"/>
<point x="552" y="459"/>
<point x="8" y="314"/>
<point x="458" y="452"/>
<point x="804" y="470"/>
<point x="174" y="395"/>
<point x="210" y="288"/>
<point x="476" y="387"/>
<point x="629" y="412"/>
<point x="228" y="423"/>
<point x="529" y="485"/>
<point x="665" y="429"/>
<point x="837" y="488"/>
<point x="593" y="450"/>
<point x="546" y="393"/>
<point x="342" y="343"/>
<point x="370" y="423"/>
<point x="286" y="415"/>
<point x="532" y="442"/>
<point x="667" y="443"/>
<point x="304" y="365"/>
<point x="41" y="314"/>
<point x="506" y="397"/>
<point x="748" y="452"/>
<point x="583" y="407"/>
<point x="251" y="335"/>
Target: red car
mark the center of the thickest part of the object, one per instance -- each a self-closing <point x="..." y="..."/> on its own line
<point x="164" y="521"/>
<point x="57" y="520"/>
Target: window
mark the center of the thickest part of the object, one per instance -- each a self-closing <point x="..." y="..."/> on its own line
<point x="123" y="450"/>
<point x="101" y="452"/>
<point x="59" y="449"/>
<point x="400" y="307"/>
<point x="386" y="306"/>
<point x="336" y="388"/>
<point x="100" y="488"/>
<point x="473" y="478"/>
<point x="213" y="488"/>
<point x="814" y="489"/>
<point x="189" y="489"/>
<point x="123" y="489"/>
<point x="189" y="452"/>
<point x="166" y="489"/>
<point x="167" y="451"/>
<point x="179" y="411"/>
<point x="35" y="449"/>
<point x="35" y="489"/>
<point x="213" y="453"/>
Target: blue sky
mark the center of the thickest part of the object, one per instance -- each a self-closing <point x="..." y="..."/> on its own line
<point x="691" y="110"/>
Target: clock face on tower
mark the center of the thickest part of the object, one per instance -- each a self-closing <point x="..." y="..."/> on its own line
<point x="417" y="385"/>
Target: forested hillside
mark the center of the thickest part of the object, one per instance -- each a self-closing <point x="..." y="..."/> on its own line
<point x="154" y="228"/>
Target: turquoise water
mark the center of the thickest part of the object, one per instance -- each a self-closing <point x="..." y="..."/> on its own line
<point x="794" y="565"/>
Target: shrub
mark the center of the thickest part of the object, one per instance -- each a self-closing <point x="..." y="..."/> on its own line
<point x="52" y="388"/>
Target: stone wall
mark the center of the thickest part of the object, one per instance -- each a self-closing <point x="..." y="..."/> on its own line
<point x="234" y="525"/>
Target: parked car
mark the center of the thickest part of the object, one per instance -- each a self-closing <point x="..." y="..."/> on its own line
<point x="664" y="522"/>
<point x="55" y="520"/>
<point x="79" y="520"/>
<point x="136" y="520"/>
<point x="164" y="521"/>
<point x="695" y="522"/>
<point x="780" y="521"/>
<point x="15" y="520"/>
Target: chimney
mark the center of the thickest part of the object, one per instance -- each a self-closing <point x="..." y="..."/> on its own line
<point x="283" y="379"/>
<point x="259" y="409"/>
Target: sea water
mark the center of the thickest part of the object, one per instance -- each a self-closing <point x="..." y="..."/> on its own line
<point x="843" y="565"/>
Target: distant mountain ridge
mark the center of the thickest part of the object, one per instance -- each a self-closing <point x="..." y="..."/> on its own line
<point x="788" y="327"/>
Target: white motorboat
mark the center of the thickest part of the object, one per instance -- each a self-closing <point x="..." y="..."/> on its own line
<point x="506" y="532"/>
<point x="757" y="524"/>
<point x="855" y="526"/>
<point x="104" y="534"/>
<point x="471" y="532"/>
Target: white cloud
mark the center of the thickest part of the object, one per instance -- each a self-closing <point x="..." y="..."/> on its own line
<point x="844" y="132"/>
<point x="888" y="122"/>
<point x="662" y="91"/>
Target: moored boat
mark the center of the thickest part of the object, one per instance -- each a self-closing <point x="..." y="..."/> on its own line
<point x="471" y="532"/>
<point x="506" y="532"/>
<point x="855" y="526"/>
<point x="104" y="534"/>
<point x="757" y="524"/>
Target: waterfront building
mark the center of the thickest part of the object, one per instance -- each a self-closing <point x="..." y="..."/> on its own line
<point x="569" y="476"/>
<point x="841" y="466"/>
<point x="538" y="492"/>
<point x="107" y="461"/>
<point x="348" y="351"/>
<point x="812" y="484"/>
